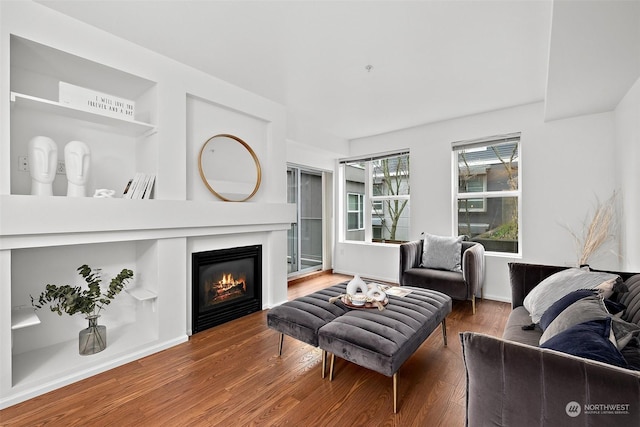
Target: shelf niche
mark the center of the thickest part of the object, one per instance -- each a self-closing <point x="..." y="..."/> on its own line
<point x="49" y="350"/>
<point x="119" y="147"/>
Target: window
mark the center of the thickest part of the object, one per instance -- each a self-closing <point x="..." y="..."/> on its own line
<point x="355" y="211"/>
<point x="377" y="198"/>
<point x="488" y="192"/>
<point x="476" y="183"/>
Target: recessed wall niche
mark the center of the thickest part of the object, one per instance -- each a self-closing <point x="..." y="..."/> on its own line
<point x="51" y="347"/>
<point x="206" y="119"/>
<point x="119" y="147"/>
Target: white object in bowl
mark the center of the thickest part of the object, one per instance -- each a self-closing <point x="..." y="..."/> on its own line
<point x="356" y="284"/>
<point x="358" y="299"/>
<point x="376" y="294"/>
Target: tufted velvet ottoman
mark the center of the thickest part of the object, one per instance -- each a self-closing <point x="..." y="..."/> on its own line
<point x="302" y="317"/>
<point x="384" y="340"/>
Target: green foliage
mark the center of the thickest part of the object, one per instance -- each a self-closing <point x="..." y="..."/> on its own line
<point x="72" y="300"/>
<point x="507" y="231"/>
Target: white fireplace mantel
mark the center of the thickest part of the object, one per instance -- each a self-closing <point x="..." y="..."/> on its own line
<point x="30" y="221"/>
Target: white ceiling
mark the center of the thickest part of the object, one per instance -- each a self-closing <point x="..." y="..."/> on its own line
<point x="432" y="60"/>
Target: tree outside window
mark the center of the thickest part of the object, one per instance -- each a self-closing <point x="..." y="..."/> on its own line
<point x="383" y="183"/>
<point x="390" y="199"/>
<point x="488" y="192"/>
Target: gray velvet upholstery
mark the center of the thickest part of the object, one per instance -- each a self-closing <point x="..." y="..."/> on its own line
<point x="513" y="331"/>
<point x="383" y="340"/>
<point x="460" y="286"/>
<point x="302" y="317"/>
<point x="513" y="382"/>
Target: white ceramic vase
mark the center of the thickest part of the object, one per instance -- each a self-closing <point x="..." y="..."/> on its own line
<point x="356" y="284"/>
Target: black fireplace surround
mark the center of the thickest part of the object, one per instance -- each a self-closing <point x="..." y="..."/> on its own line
<point x="226" y="285"/>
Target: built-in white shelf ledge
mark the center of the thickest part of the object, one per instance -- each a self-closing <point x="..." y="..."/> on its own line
<point x="23" y="317"/>
<point x="128" y="127"/>
<point x="141" y="294"/>
<point x="80" y="220"/>
<point x="144" y="295"/>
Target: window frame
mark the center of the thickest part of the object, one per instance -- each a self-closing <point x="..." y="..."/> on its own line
<point x="359" y="211"/>
<point x="483" y="199"/>
<point x="493" y="194"/>
<point x="370" y="202"/>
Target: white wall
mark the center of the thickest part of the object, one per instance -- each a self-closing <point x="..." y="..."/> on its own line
<point x="627" y="122"/>
<point x="566" y="165"/>
<point x="158" y="254"/>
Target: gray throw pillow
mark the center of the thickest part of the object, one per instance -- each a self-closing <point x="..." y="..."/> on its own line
<point x="623" y="331"/>
<point x="584" y="310"/>
<point x="442" y="252"/>
<point x="558" y="285"/>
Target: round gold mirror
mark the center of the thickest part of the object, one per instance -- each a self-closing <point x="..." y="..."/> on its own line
<point x="229" y="168"/>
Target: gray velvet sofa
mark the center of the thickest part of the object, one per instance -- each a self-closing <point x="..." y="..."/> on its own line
<point x="511" y="381"/>
<point x="463" y="285"/>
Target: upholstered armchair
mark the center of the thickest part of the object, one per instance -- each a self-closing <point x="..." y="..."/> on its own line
<point x="462" y="283"/>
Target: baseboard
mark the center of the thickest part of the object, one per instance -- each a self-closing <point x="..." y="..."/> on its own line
<point x="304" y="277"/>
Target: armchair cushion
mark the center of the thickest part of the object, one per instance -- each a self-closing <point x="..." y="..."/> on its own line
<point x="442" y="252"/>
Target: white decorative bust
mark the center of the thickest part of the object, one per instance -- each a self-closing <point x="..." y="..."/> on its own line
<point x="77" y="158"/>
<point x="43" y="159"/>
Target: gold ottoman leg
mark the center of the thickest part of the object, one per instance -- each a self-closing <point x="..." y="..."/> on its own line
<point x="395" y="393"/>
<point x="280" y="344"/>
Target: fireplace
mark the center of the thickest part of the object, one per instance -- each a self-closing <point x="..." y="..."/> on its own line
<point x="226" y="285"/>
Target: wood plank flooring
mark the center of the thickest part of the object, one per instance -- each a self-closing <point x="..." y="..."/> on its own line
<point x="231" y="375"/>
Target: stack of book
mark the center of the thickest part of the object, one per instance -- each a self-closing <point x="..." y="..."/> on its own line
<point x="139" y="187"/>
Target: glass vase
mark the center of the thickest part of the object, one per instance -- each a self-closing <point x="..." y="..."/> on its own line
<point x="93" y="339"/>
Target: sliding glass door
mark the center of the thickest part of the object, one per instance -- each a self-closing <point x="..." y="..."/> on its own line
<point x="304" y="253"/>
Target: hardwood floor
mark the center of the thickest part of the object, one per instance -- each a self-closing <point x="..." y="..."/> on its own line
<point x="231" y="375"/>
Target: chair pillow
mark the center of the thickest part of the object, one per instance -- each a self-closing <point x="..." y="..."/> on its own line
<point x="589" y="340"/>
<point x="558" y="285"/>
<point x="442" y="252"/>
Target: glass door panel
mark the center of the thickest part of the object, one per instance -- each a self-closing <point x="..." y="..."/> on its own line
<point x="292" y="233"/>
<point x="310" y="221"/>
<point x="305" y="239"/>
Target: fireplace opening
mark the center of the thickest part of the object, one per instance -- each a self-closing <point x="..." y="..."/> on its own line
<point x="226" y="285"/>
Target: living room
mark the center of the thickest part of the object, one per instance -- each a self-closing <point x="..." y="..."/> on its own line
<point x="579" y="138"/>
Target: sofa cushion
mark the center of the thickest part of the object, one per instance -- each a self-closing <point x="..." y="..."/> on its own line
<point x="631" y="353"/>
<point x="513" y="331"/>
<point x="442" y="252"/>
<point x="589" y="340"/>
<point x="558" y="285"/>
<point x="447" y="282"/>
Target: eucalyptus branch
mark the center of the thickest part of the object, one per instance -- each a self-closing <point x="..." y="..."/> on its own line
<point x="90" y="301"/>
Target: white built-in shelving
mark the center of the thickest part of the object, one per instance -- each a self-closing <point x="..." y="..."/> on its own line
<point x="23" y="317"/>
<point x="100" y="232"/>
<point x="44" y="239"/>
<point x="129" y="127"/>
